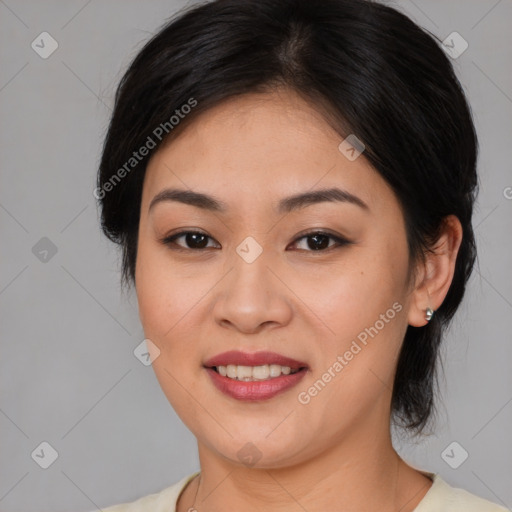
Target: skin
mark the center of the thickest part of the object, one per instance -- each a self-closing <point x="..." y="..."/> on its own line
<point x="334" y="452"/>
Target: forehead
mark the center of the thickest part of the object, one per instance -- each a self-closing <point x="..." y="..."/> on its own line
<point x="266" y="145"/>
<point x="239" y="128"/>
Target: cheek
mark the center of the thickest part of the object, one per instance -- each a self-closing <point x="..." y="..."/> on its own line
<point x="151" y="295"/>
<point x="169" y="301"/>
<point x="352" y="295"/>
<point x="165" y="300"/>
<point x="362" y="308"/>
<point x="163" y="295"/>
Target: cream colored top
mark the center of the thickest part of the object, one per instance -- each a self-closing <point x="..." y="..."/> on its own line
<point x="441" y="497"/>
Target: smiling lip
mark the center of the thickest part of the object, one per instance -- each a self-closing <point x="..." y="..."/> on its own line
<point x="256" y="359"/>
<point x="254" y="390"/>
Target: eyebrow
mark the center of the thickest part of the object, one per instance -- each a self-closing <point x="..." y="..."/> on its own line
<point x="285" y="205"/>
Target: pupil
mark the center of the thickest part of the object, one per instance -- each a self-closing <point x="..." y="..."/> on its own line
<point x="319" y="245"/>
<point x="192" y="240"/>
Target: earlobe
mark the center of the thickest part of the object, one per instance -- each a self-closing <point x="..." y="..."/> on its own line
<point x="421" y="310"/>
<point x="437" y="273"/>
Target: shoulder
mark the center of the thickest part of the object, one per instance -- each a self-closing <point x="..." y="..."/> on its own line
<point x="442" y="497"/>
<point x="163" y="501"/>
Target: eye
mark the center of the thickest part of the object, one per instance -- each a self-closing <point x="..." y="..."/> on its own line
<point x="319" y="241"/>
<point x="197" y="240"/>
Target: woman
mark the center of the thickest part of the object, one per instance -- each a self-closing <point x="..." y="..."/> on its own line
<point x="292" y="185"/>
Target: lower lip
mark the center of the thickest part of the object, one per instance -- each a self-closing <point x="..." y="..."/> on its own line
<point x="255" y="390"/>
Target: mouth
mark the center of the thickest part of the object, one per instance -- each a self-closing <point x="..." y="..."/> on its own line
<point x="254" y="377"/>
<point x="254" y="373"/>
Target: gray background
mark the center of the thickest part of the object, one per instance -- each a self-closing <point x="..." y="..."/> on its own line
<point x="68" y="373"/>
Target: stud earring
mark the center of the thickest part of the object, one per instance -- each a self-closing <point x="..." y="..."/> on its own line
<point x="429" y="312"/>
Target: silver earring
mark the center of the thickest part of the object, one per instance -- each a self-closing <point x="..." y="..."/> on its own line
<point x="429" y="312"/>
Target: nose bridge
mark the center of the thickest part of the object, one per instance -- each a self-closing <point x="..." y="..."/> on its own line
<point x="251" y="294"/>
<point x="250" y="273"/>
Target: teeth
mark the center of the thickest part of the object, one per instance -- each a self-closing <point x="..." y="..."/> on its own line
<point x="252" y="373"/>
<point x="275" y="370"/>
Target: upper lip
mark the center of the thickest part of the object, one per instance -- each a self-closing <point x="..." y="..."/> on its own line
<point x="237" y="357"/>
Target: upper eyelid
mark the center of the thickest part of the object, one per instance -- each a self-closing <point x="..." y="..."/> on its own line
<point x="336" y="238"/>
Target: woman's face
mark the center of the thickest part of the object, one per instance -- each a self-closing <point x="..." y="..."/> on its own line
<point x="253" y="282"/>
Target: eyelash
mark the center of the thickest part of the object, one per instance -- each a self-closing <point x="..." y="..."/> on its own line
<point x="170" y="241"/>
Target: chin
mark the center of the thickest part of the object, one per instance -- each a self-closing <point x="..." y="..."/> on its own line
<point x="256" y="449"/>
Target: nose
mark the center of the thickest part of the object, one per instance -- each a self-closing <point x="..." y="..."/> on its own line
<point x="253" y="297"/>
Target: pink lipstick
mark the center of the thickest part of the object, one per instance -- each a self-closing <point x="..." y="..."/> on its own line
<point x="254" y="376"/>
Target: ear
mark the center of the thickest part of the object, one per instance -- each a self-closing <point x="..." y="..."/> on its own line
<point x="435" y="274"/>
